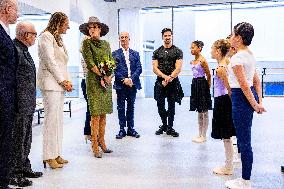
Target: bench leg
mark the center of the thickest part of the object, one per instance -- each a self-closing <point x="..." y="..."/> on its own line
<point x="38" y="117"/>
<point x="70" y="109"/>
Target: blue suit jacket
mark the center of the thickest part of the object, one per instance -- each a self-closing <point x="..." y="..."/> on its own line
<point x="121" y="71"/>
<point x="8" y="103"/>
<point x="8" y="68"/>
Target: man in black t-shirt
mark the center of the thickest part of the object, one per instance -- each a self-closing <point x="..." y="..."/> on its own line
<point x="167" y="63"/>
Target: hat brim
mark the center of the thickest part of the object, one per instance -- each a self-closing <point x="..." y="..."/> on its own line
<point x="84" y="28"/>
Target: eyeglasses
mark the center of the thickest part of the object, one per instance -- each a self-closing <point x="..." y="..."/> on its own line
<point x="95" y="26"/>
<point x="33" y="33"/>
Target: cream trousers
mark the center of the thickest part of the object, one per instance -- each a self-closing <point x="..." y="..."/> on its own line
<point x="53" y="102"/>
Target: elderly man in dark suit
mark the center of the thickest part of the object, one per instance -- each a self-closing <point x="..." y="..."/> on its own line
<point x="127" y="82"/>
<point x="8" y="86"/>
<point x="26" y="96"/>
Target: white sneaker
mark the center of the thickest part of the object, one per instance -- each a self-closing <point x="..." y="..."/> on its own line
<point x="238" y="183"/>
<point x="199" y="139"/>
<point x="223" y="171"/>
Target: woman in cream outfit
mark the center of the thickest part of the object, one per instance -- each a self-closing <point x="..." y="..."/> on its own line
<point x="53" y="82"/>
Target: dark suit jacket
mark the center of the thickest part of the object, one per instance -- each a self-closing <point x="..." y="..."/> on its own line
<point x="8" y="105"/>
<point x="26" y="77"/>
<point x="8" y="66"/>
<point x="121" y="71"/>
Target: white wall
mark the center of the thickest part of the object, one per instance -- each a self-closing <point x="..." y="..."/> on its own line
<point x="50" y="5"/>
<point x="85" y="7"/>
<point x="92" y="8"/>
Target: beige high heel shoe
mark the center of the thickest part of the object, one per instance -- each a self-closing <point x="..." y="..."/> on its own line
<point x="52" y="163"/>
<point x="60" y="160"/>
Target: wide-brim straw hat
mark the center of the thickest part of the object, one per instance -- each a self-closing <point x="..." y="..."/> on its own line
<point x="93" y="20"/>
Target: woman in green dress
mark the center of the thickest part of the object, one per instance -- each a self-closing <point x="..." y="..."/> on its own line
<point x="100" y="64"/>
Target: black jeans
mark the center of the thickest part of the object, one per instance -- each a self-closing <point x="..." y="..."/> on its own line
<point x="87" y="128"/>
<point x="167" y="116"/>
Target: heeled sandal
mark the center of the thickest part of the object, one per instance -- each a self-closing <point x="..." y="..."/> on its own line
<point x="52" y="164"/>
<point x="60" y="160"/>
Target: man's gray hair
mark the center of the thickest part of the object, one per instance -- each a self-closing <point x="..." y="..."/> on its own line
<point x="22" y="28"/>
<point x="4" y="3"/>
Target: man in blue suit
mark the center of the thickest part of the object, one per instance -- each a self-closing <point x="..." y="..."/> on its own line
<point x="126" y="84"/>
<point x="8" y="89"/>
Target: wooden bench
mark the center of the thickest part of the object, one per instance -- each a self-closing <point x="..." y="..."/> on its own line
<point x="40" y="109"/>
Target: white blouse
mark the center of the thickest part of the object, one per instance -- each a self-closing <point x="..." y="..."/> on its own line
<point x="247" y="60"/>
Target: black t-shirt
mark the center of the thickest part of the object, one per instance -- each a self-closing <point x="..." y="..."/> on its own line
<point x="167" y="58"/>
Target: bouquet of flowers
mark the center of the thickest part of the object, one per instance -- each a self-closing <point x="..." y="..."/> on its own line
<point x="106" y="66"/>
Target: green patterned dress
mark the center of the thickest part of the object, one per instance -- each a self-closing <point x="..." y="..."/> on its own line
<point x="100" y="99"/>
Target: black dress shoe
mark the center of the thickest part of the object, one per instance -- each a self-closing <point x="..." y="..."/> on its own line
<point x="120" y="134"/>
<point x="162" y="128"/>
<point x="172" y="132"/>
<point x="133" y="133"/>
<point x="32" y="174"/>
<point x="20" y="181"/>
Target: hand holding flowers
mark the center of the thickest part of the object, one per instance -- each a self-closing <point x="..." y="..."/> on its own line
<point x="106" y="65"/>
<point x="106" y="68"/>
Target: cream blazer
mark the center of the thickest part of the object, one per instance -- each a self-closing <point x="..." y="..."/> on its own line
<point x="52" y="63"/>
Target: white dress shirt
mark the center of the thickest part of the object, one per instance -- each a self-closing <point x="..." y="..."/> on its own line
<point x="5" y="27"/>
<point x="126" y="55"/>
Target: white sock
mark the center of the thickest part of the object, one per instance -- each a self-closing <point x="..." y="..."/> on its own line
<point x="228" y="153"/>
<point x="200" y="123"/>
<point x="205" y="123"/>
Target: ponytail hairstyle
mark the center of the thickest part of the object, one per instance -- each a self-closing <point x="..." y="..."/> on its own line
<point x="246" y="31"/>
<point x="54" y="24"/>
<point x="199" y="44"/>
<point x="223" y="45"/>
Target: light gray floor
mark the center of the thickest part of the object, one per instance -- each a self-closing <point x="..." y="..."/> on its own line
<point x="161" y="161"/>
